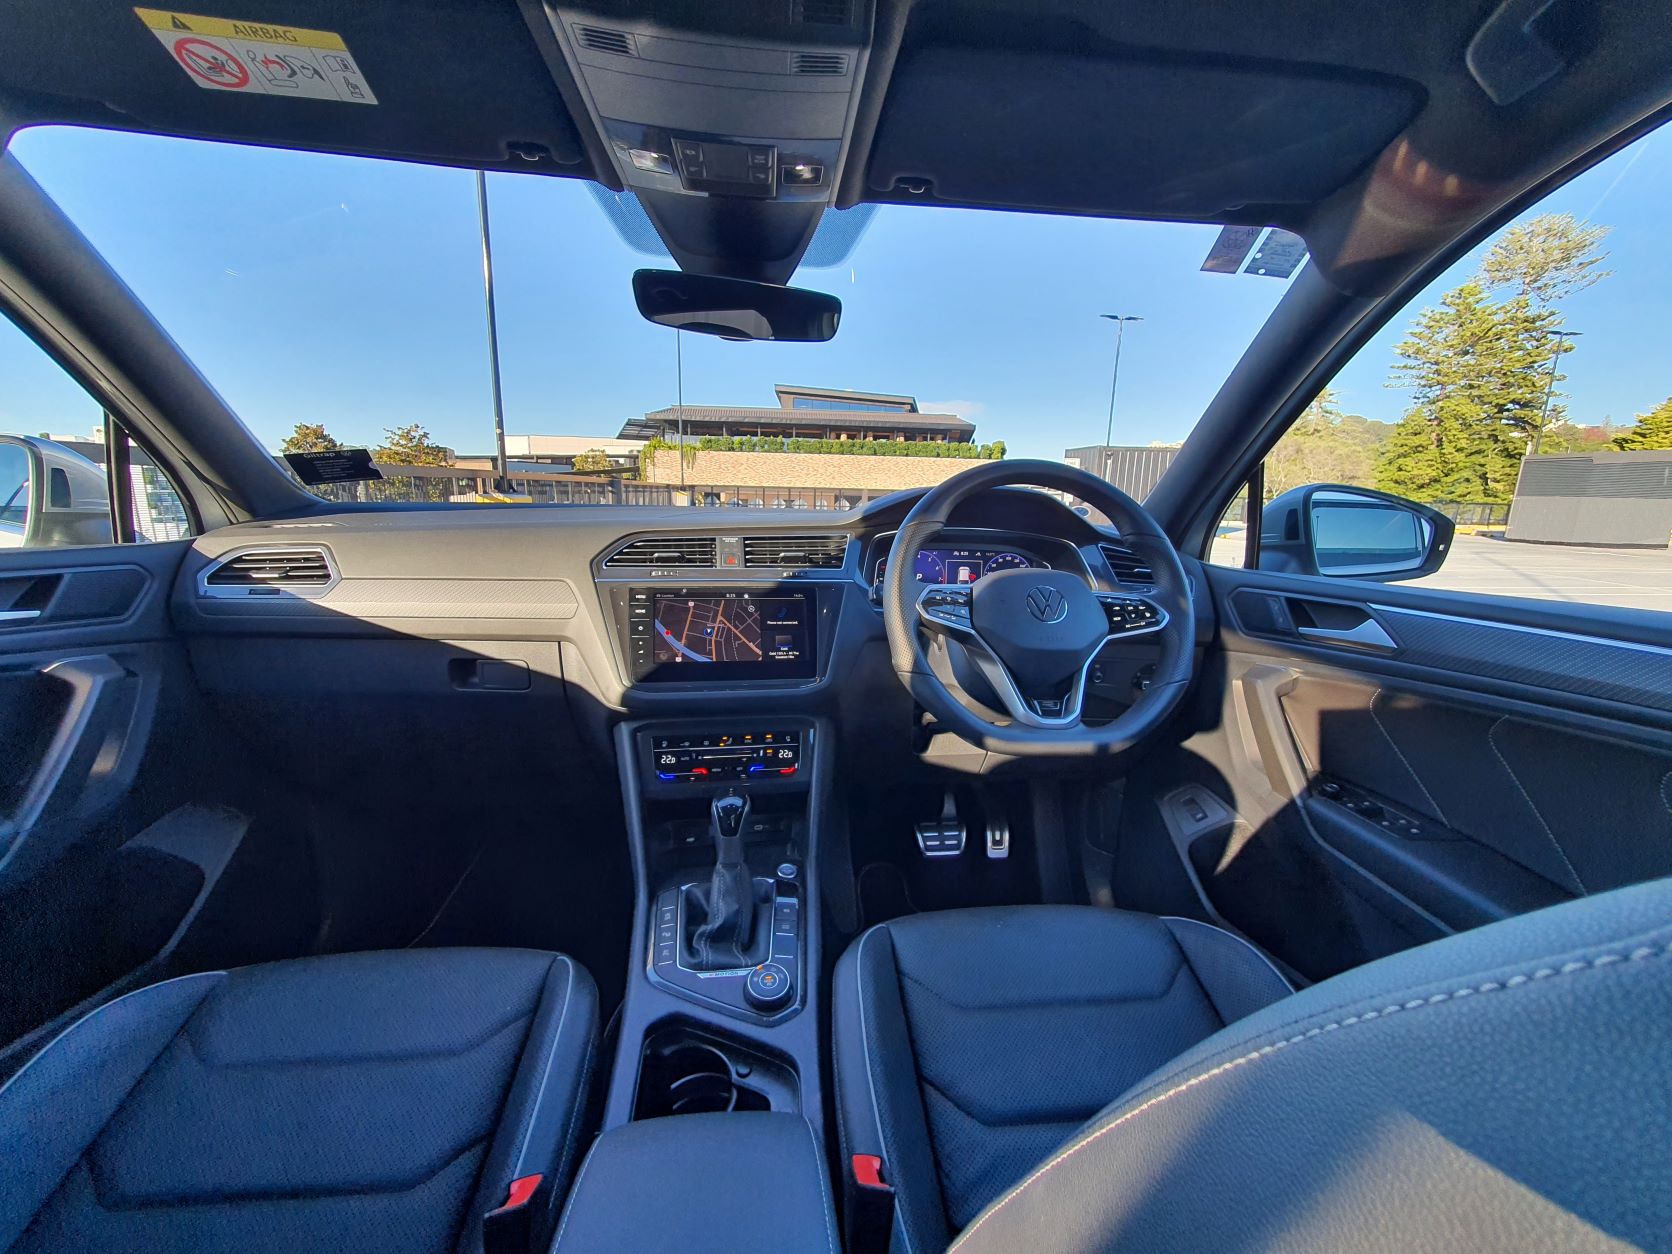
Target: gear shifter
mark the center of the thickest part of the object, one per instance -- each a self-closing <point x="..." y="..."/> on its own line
<point x="724" y="937"/>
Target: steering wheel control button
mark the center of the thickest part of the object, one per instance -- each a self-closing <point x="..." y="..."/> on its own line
<point x="1128" y="615"/>
<point x="768" y="987"/>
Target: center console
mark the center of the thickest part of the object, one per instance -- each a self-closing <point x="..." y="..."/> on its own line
<point x="721" y="1010"/>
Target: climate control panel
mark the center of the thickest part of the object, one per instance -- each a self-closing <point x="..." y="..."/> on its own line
<point x="680" y="760"/>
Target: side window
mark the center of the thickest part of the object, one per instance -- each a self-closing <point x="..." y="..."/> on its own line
<point x="56" y="486"/>
<point x="1517" y="415"/>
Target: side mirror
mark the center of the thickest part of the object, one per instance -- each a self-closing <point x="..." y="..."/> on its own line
<point x="1352" y="533"/>
<point x="735" y="309"/>
<point x="50" y="495"/>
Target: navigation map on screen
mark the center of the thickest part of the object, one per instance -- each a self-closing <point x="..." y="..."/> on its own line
<point x="728" y="629"/>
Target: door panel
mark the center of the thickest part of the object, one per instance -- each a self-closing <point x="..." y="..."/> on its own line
<point x="1446" y="760"/>
<point x="104" y="858"/>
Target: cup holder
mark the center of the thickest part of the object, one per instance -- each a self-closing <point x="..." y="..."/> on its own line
<point x="686" y="1072"/>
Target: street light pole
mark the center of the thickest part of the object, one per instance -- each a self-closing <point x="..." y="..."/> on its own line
<point x="1550" y="387"/>
<point x="1120" y="321"/>
<point x="679" y="395"/>
<point x="500" y="467"/>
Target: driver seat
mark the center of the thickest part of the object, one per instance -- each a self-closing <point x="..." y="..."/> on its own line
<point x="1054" y="1078"/>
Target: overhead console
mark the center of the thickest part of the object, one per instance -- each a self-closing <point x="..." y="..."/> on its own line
<point x="680" y="94"/>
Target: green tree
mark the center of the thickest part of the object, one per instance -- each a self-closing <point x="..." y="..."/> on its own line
<point x="309" y="437"/>
<point x="1324" y="446"/>
<point x="411" y="445"/>
<point x="1546" y="258"/>
<point x="1653" y="429"/>
<point x="593" y="461"/>
<point x="1478" y="372"/>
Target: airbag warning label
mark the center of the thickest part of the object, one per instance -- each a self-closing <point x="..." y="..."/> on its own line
<point x="258" y="58"/>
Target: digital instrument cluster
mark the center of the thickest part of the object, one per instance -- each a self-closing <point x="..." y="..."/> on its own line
<point x="961" y="565"/>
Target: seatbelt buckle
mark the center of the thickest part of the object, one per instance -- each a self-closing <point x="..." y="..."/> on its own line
<point x="870" y="1206"/>
<point x="510" y="1228"/>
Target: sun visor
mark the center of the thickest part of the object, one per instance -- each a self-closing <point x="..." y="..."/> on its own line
<point x="1176" y="139"/>
<point x="456" y="82"/>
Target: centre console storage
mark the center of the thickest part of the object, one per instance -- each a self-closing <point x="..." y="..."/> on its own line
<point x="706" y="1184"/>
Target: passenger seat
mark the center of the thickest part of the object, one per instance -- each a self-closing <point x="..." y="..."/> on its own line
<point x="367" y="1102"/>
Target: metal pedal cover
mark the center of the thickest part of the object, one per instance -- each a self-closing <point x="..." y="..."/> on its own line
<point x="942" y="837"/>
<point x="998" y="839"/>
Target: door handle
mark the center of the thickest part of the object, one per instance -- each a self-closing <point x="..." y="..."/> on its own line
<point x="1367" y="635"/>
<point x="18" y="616"/>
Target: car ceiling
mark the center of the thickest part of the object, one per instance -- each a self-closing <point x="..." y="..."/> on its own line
<point x="1369" y="128"/>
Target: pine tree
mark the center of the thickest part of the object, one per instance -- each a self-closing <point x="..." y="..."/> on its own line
<point x="1653" y="429"/>
<point x="1546" y="258"/>
<point x="1478" y="372"/>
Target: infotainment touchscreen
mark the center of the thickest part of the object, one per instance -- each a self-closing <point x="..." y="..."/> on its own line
<point x="730" y="635"/>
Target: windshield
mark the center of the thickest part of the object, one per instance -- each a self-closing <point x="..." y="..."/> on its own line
<point x="336" y="300"/>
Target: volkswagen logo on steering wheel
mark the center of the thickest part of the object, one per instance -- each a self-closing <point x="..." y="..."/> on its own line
<point x="1047" y="604"/>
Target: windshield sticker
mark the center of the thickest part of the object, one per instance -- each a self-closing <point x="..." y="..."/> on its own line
<point x="259" y="58"/>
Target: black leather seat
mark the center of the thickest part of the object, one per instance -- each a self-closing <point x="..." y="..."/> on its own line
<point x="365" y="1102"/>
<point x="1505" y="1089"/>
<point x="970" y="1043"/>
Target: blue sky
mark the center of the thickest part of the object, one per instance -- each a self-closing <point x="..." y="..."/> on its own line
<point x="348" y="292"/>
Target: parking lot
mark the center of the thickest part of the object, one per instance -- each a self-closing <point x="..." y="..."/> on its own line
<point x="1631" y="578"/>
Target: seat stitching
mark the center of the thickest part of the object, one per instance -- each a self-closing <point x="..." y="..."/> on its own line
<point x="289" y="1195"/>
<point x="574" y="1195"/>
<point x="1492" y="739"/>
<point x="824" y="1188"/>
<point x="1246" y="944"/>
<point x="1640" y="954"/>
<point x="580" y="1102"/>
<point x="1386" y="735"/>
<point x="1666" y="792"/>
<point x="1072" y="1120"/>
<point x="1052" y="1003"/>
<point x="98" y="1010"/>
<point x="551" y="1056"/>
<point x="349" y="1060"/>
<point x="870" y="1077"/>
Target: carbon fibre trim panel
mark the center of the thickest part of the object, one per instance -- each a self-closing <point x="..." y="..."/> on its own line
<point x="1588" y="666"/>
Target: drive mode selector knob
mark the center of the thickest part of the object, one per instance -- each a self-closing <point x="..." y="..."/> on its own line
<point x="768" y="987"/>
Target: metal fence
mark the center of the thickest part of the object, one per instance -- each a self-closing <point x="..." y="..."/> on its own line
<point x="451" y="485"/>
<point x="1474" y="513"/>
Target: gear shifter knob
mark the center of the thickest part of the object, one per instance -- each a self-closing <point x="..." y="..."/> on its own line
<point x="731" y="812"/>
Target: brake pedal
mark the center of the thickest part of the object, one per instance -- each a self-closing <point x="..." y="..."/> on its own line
<point x="942" y="837"/>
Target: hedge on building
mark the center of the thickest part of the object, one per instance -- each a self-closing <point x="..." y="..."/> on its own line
<point x="851" y="448"/>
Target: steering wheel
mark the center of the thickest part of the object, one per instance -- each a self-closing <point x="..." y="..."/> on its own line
<point x="1033" y="634"/>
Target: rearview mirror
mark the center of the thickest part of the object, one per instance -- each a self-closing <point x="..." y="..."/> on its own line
<point x="735" y="309"/>
<point x="1352" y="533"/>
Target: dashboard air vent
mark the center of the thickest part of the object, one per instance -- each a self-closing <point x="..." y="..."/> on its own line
<point x="819" y="63"/>
<point x="603" y="39"/>
<point x="812" y="552"/>
<point x="665" y="553"/>
<point x="1129" y="568"/>
<point x="825" y="12"/>
<point x="273" y="568"/>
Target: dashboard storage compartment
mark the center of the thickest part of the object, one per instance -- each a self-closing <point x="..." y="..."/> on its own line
<point x="721" y="1182"/>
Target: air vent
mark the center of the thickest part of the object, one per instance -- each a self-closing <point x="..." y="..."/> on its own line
<point x="665" y="553"/>
<point x="275" y="568"/>
<point x="825" y="12"/>
<point x="1129" y="568"/>
<point x="809" y="552"/>
<point x="819" y="63"/>
<point x="603" y="39"/>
